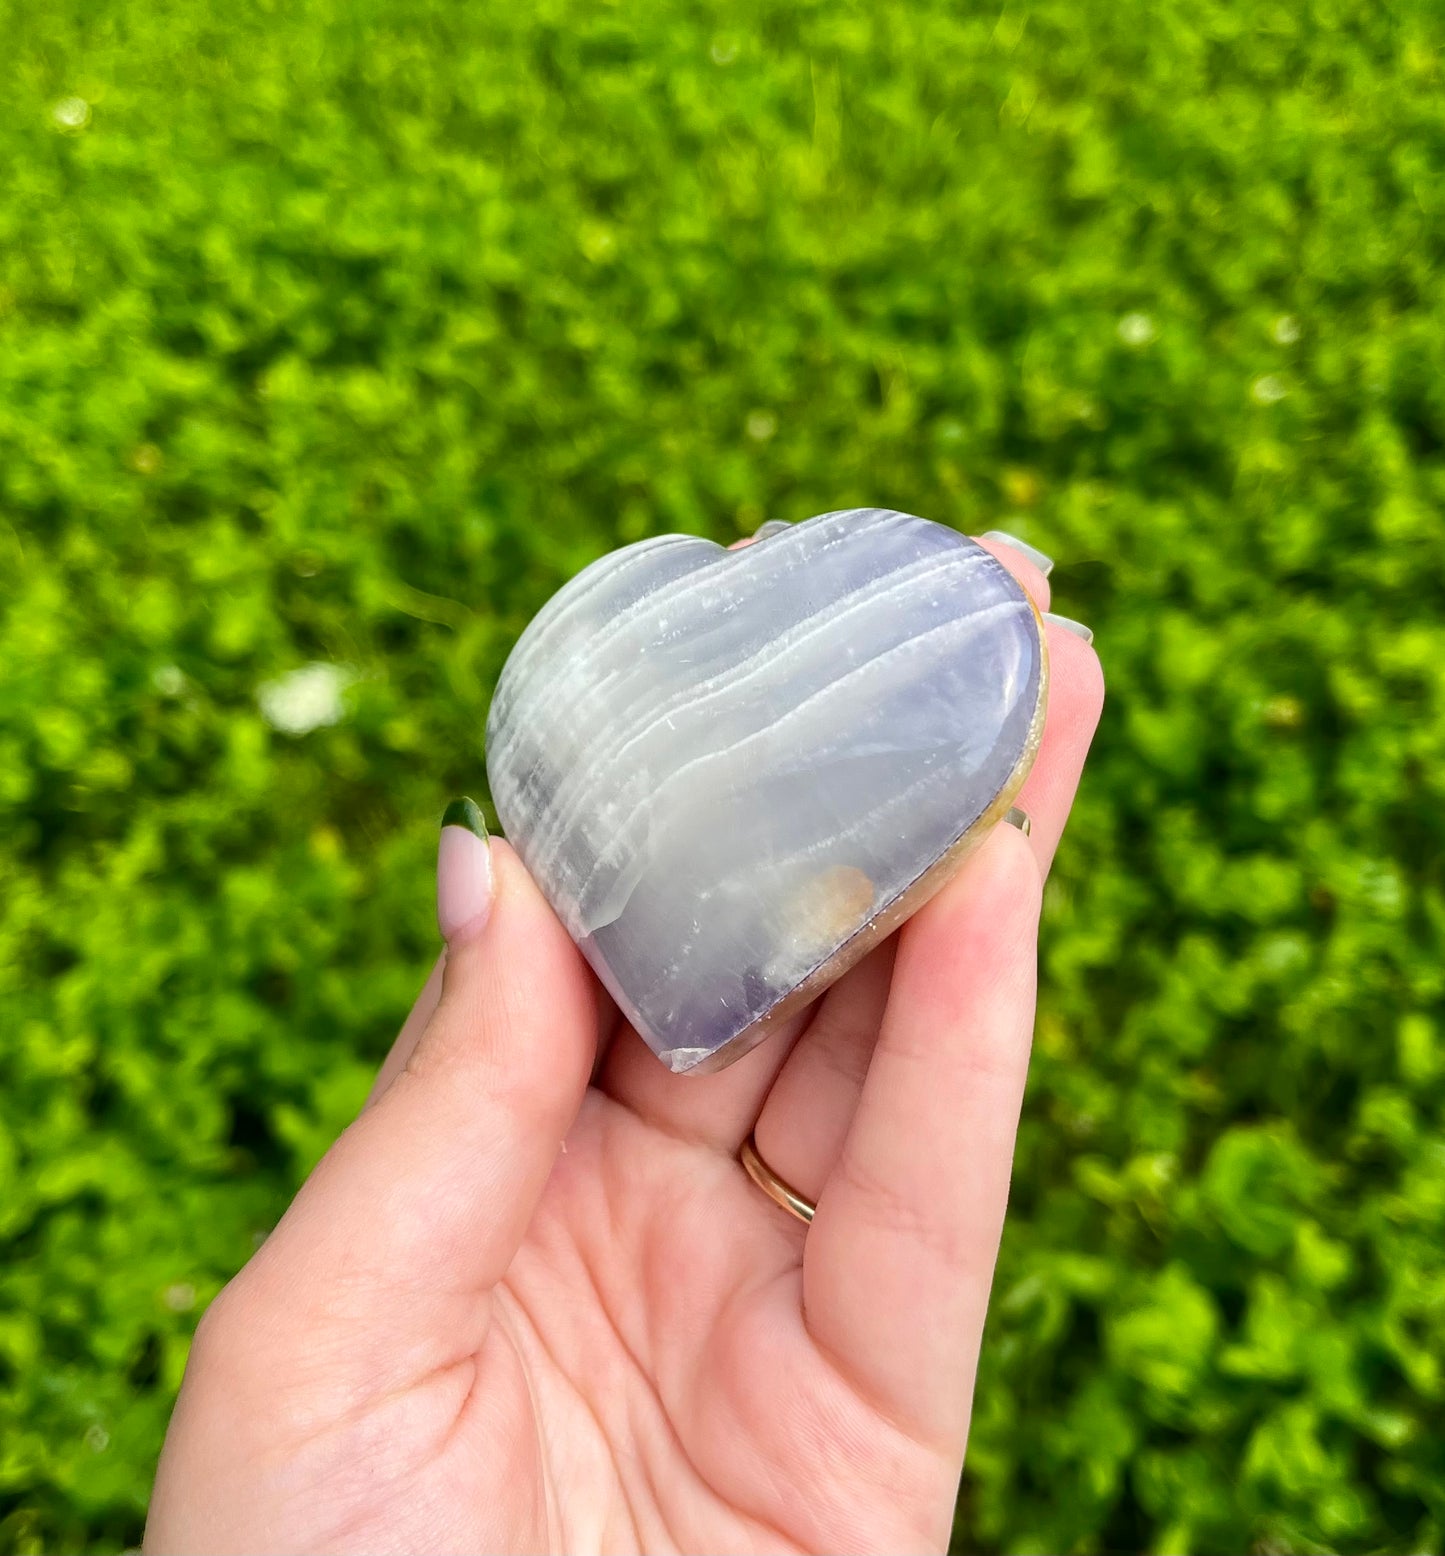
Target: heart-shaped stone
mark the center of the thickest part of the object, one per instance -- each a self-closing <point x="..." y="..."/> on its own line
<point x="733" y="772"/>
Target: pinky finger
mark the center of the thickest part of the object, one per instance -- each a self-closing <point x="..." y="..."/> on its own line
<point x="899" y="1258"/>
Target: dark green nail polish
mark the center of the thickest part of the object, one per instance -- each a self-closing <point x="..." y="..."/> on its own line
<point x="465" y="813"/>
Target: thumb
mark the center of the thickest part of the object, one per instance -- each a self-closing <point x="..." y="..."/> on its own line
<point x="433" y="1187"/>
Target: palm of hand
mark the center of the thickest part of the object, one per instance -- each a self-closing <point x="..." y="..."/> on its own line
<point x="461" y="1338"/>
<point x="650" y="1374"/>
<point x="641" y="1378"/>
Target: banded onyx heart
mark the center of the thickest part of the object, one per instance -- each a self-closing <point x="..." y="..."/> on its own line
<point x="733" y="772"/>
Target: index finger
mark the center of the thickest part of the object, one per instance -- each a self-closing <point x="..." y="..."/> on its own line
<point x="1076" y="699"/>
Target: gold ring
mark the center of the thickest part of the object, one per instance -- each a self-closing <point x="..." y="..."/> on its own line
<point x="772" y="1185"/>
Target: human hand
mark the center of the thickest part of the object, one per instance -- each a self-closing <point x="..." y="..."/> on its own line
<point x="530" y="1299"/>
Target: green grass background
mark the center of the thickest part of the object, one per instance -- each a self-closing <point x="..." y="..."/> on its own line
<point x="346" y="331"/>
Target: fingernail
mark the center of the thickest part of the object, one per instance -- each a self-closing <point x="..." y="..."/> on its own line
<point x="464" y="870"/>
<point x="1041" y="559"/>
<point x="1020" y="819"/>
<point x="1076" y="627"/>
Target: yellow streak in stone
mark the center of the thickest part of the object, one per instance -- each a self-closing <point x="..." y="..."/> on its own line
<point x="830" y="906"/>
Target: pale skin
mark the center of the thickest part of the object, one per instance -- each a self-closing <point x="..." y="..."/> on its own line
<point x="530" y="1300"/>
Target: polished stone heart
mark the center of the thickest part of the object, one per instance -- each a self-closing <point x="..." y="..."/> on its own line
<point x="733" y="772"/>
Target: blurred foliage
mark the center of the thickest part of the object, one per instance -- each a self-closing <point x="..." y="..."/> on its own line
<point x="345" y="331"/>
